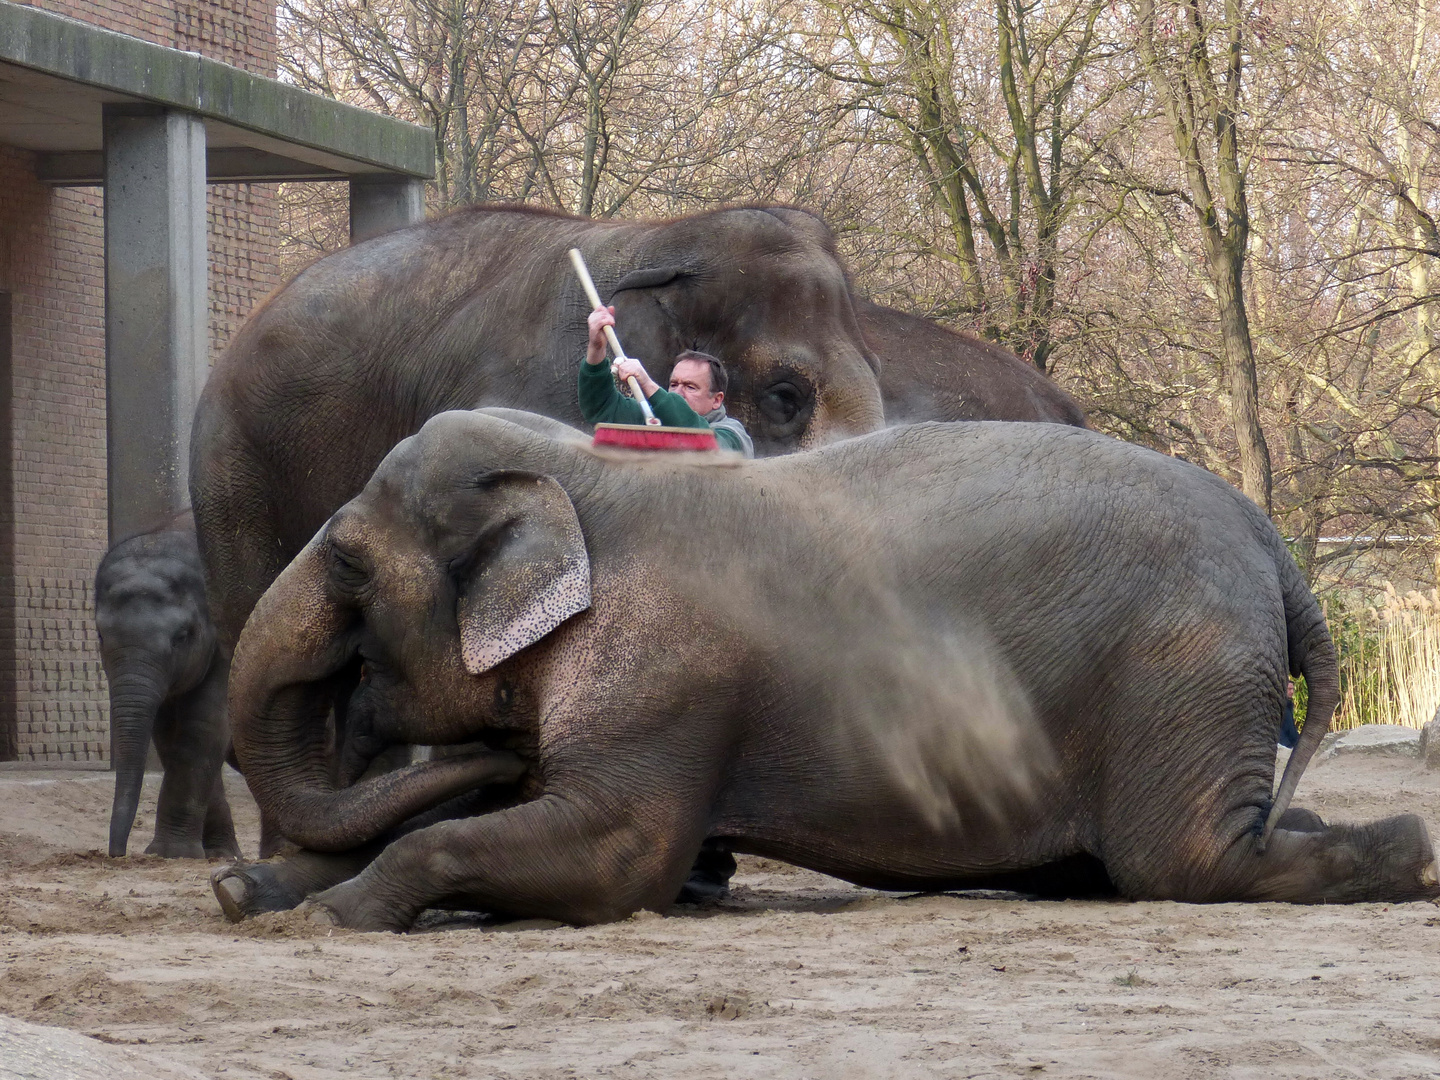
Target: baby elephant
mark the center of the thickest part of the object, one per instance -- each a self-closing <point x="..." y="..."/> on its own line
<point x="167" y="679"/>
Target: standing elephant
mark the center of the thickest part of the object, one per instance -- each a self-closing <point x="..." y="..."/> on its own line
<point x="873" y="691"/>
<point x="930" y="373"/>
<point x="167" y="680"/>
<point x="481" y="308"/>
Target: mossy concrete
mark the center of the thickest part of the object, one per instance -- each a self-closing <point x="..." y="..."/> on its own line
<point x="116" y="63"/>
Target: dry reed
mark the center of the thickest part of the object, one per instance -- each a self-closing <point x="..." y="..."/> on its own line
<point x="1390" y="661"/>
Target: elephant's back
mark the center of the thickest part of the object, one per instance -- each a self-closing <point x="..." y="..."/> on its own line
<point x="1020" y="470"/>
<point x="366" y="344"/>
<point x="1061" y="528"/>
<point x="929" y="372"/>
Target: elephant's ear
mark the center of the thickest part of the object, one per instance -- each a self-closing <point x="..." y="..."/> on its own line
<point x="530" y="574"/>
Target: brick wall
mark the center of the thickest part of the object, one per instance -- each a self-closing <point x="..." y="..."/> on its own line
<point x="52" y="267"/>
<point x="239" y="32"/>
<point x="51" y="264"/>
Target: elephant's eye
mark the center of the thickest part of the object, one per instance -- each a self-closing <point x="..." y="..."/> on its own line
<point x="784" y="401"/>
<point x="347" y="570"/>
<point x="781" y="402"/>
<point x="181" y="636"/>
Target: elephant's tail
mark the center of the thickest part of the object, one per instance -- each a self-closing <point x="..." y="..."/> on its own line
<point x="1312" y="654"/>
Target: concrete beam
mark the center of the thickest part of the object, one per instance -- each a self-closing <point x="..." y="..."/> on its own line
<point x="156" y="315"/>
<point x="223" y="165"/>
<point x="53" y="46"/>
<point x="381" y="203"/>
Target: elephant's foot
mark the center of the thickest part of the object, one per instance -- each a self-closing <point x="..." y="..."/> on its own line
<point x="246" y="889"/>
<point x="1382" y="861"/>
<point x="250" y="890"/>
<point x="176" y="849"/>
<point x="222" y="847"/>
<point x="318" y="914"/>
<point x="1389" y="861"/>
<point x="220" y="843"/>
<point x="354" y="907"/>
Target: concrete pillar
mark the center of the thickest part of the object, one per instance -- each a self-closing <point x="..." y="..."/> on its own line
<point x="9" y="646"/>
<point x="156" y="310"/>
<point x="381" y="203"/>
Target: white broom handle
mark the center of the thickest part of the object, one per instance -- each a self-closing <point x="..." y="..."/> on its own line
<point x="588" y="284"/>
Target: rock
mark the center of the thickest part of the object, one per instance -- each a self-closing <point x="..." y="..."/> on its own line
<point x="1430" y="742"/>
<point x="33" y="1052"/>
<point x="1384" y="740"/>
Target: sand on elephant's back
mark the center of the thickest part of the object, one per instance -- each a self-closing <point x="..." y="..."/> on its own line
<point x="799" y="975"/>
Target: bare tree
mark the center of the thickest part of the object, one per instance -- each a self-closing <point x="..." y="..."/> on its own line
<point x="998" y="112"/>
<point x="1202" y="102"/>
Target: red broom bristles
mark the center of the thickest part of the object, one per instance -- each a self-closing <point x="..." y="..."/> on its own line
<point x="646" y="437"/>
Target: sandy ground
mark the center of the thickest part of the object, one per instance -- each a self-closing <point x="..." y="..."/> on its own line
<point x="798" y="976"/>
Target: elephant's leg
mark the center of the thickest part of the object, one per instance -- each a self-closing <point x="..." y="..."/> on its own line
<point x="556" y="857"/>
<point x="236" y="523"/>
<point x="245" y="890"/>
<point x="248" y="889"/>
<point x="218" y="835"/>
<point x="1391" y="860"/>
<point x="1182" y="818"/>
<point x="192" y="818"/>
<point x="185" y="791"/>
<point x="272" y="840"/>
<point x="207" y="719"/>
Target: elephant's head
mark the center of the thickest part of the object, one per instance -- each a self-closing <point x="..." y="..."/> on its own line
<point x="156" y="643"/>
<point x="397" y="613"/>
<point x="764" y="291"/>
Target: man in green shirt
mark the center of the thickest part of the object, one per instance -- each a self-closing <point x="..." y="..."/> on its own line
<point x="695" y="399"/>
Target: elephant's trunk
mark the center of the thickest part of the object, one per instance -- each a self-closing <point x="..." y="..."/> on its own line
<point x="288" y="663"/>
<point x="136" y="694"/>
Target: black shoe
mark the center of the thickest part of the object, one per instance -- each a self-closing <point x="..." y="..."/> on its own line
<point x="699" y="891"/>
<point x="709" y="877"/>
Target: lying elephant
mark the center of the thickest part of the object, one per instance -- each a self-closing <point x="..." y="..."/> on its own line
<point x="874" y="693"/>
<point x="930" y="373"/>
<point x="167" y="681"/>
<point x="481" y="307"/>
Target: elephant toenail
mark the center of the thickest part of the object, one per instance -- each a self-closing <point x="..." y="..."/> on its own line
<point x="318" y="914"/>
<point x="230" y="891"/>
<point x="1431" y="874"/>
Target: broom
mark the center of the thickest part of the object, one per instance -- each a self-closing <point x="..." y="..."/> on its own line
<point x="651" y="435"/>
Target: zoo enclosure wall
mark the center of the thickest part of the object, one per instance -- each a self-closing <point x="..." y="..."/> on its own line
<point x="53" y="510"/>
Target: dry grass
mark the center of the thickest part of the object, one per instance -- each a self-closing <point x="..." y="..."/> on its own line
<point x="1390" y="662"/>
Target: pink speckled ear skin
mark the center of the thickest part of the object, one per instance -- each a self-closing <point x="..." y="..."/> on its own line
<point x="538" y="577"/>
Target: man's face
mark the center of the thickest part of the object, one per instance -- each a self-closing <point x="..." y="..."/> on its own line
<point x="691" y="380"/>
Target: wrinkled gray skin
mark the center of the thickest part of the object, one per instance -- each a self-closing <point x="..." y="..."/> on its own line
<point x="482" y="307"/>
<point x="167" y="682"/>
<point x="930" y="373"/>
<point x="875" y="693"/>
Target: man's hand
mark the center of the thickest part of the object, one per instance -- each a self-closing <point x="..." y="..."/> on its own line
<point x="629" y="366"/>
<point x="599" y="319"/>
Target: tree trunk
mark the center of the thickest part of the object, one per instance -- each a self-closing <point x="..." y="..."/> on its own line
<point x="1197" y="104"/>
<point x="1226" y="270"/>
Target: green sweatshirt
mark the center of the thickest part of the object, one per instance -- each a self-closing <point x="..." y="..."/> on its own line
<point x="602" y="403"/>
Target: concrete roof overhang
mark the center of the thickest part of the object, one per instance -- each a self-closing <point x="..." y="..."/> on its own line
<point x="57" y="74"/>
